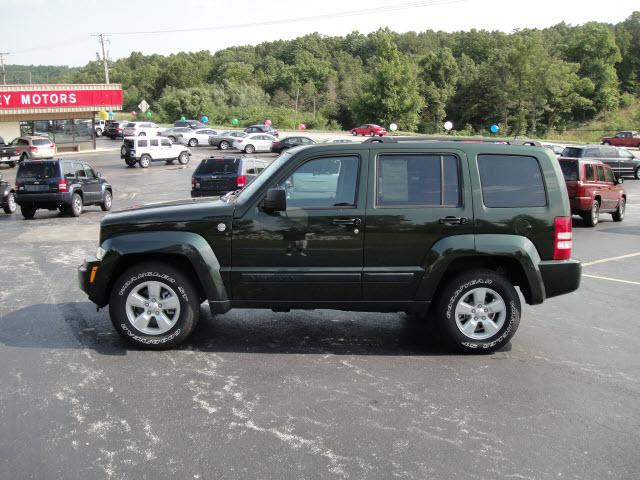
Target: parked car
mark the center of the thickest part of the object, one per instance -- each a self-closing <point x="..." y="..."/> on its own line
<point x="174" y="133"/>
<point x="197" y="137"/>
<point x="114" y="130"/>
<point x="34" y="147"/>
<point x="99" y="126"/>
<point x="8" y="154"/>
<point x="556" y="149"/>
<point x="7" y="196"/>
<point x="369" y="129"/>
<point x="220" y="175"/>
<point x="337" y="140"/>
<point x="224" y="140"/>
<point x="146" y="150"/>
<point x="593" y="189"/>
<point x="445" y="231"/>
<point x="629" y="138"/>
<point x="262" y="129"/>
<point x="254" y="142"/>
<point x="140" y="129"/>
<point x="67" y="185"/>
<point x="193" y="124"/>
<point x="280" y="146"/>
<point x="621" y="161"/>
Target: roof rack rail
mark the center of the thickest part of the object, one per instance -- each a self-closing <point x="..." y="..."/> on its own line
<point x="505" y="141"/>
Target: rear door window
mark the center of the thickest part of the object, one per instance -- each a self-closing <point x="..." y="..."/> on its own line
<point x="589" y="173"/>
<point x="609" y="175"/>
<point x="165" y="142"/>
<point x="79" y="170"/>
<point x="511" y="181"/>
<point x="68" y="170"/>
<point x="601" y="177"/>
<point x="153" y="143"/>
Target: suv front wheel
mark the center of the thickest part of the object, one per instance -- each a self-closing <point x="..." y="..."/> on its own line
<point x="478" y="312"/>
<point x="154" y="305"/>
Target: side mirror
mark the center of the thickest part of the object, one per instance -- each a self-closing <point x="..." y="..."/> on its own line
<point x="619" y="180"/>
<point x="275" y="200"/>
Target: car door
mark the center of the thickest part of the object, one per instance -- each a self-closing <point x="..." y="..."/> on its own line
<point x="603" y="188"/>
<point x="92" y="188"/>
<point x="154" y="149"/>
<point x="415" y="199"/>
<point x="613" y="188"/>
<point x="165" y="150"/>
<point x="312" y="252"/>
<point x="609" y="156"/>
<point x="82" y="182"/>
<point x="627" y="163"/>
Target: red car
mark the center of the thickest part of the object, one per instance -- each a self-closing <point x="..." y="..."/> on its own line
<point x="623" y="139"/>
<point x="369" y="129"/>
<point x="593" y="189"/>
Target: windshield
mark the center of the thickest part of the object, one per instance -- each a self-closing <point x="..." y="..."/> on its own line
<point x="264" y="177"/>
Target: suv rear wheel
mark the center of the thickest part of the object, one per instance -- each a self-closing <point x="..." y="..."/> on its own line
<point x="592" y="217"/>
<point x="618" y="215"/>
<point x="76" y="205"/>
<point x="27" y="212"/>
<point x="154" y="305"/>
<point x="478" y="312"/>
<point x="183" y="158"/>
<point x="145" y="161"/>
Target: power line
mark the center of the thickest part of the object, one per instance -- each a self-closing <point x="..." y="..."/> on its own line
<point x="102" y="37"/>
<point x="4" y="76"/>
<point x="326" y="16"/>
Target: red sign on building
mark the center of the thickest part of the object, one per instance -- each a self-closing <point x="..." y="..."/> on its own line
<point x="19" y="99"/>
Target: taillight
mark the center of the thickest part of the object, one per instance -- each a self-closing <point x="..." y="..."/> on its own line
<point x="53" y="145"/>
<point x="193" y="183"/>
<point x="563" y="238"/>
<point x="241" y="181"/>
<point x="62" y="185"/>
<point x="32" y="149"/>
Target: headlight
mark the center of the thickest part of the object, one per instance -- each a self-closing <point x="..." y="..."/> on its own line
<point x="100" y="253"/>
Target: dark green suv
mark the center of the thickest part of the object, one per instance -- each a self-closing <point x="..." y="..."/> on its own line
<point x="442" y="230"/>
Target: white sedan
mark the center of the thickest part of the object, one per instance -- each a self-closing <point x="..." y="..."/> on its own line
<point x="199" y="136"/>
<point x="255" y="142"/>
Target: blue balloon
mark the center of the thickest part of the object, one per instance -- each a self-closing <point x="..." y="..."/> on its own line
<point x="110" y="114"/>
<point x="204" y="119"/>
<point x="494" y="128"/>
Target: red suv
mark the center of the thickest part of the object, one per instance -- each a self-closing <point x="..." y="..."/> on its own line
<point x="369" y="129"/>
<point x="593" y="189"/>
<point x="623" y="139"/>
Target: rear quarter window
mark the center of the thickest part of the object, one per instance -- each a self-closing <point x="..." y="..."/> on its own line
<point x="569" y="169"/>
<point x="511" y="181"/>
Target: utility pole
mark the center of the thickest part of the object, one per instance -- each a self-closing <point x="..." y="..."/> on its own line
<point x="4" y="76"/>
<point x="101" y="37"/>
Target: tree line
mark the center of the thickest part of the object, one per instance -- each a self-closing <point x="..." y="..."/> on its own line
<point x="533" y="81"/>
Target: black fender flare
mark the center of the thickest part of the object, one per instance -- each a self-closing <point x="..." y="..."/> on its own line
<point x="153" y="245"/>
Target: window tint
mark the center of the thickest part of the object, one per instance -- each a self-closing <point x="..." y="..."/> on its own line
<point x="601" y="177"/>
<point x="89" y="172"/>
<point x="37" y="170"/>
<point x="68" y="170"/>
<point x="323" y="183"/>
<point x="154" y="142"/>
<point x="418" y="180"/>
<point x="589" y="173"/>
<point x="165" y="142"/>
<point x="218" y="166"/>
<point x="572" y="152"/>
<point x="79" y="170"/>
<point x="569" y="169"/>
<point x="609" y="175"/>
<point x="511" y="181"/>
<point x="141" y="143"/>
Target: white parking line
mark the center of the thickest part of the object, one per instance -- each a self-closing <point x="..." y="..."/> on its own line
<point x="610" y="279"/>
<point x="610" y="259"/>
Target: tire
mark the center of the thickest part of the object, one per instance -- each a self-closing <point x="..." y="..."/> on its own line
<point x="98" y="132"/>
<point x="592" y="217"/>
<point x="23" y="157"/>
<point x="145" y="161"/>
<point x="173" y="139"/>
<point x="131" y="162"/>
<point x="11" y="164"/>
<point x="372" y="134"/>
<point x="123" y="150"/>
<point x="193" y="142"/>
<point x="636" y="173"/>
<point x="76" y="205"/>
<point x="10" y="207"/>
<point x="142" y="134"/>
<point x="27" y="212"/>
<point x="249" y="149"/>
<point x="223" y="145"/>
<point x="468" y="333"/>
<point x="606" y="143"/>
<point x="183" y="158"/>
<point x="107" y="201"/>
<point x="172" y="326"/>
<point x="354" y="133"/>
<point x="618" y="215"/>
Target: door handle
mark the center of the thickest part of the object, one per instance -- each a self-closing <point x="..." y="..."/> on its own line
<point x="347" y="221"/>
<point x="453" y="220"/>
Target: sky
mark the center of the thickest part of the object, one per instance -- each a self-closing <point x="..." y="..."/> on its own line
<point x="59" y="32"/>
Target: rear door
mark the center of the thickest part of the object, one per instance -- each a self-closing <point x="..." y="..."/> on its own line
<point x="92" y="189"/>
<point x="415" y="198"/>
<point x="154" y="149"/>
<point x="165" y="150"/>
<point x="627" y="162"/>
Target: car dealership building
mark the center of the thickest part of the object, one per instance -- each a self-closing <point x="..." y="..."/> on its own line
<point x="64" y="113"/>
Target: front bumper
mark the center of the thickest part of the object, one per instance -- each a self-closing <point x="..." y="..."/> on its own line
<point x="91" y="282"/>
<point x="560" y="276"/>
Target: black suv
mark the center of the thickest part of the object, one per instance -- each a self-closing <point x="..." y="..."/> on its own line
<point x="114" y="130"/>
<point x="7" y="196"/>
<point x="443" y="230"/>
<point x="220" y="175"/>
<point x="67" y="185"/>
<point x="621" y="160"/>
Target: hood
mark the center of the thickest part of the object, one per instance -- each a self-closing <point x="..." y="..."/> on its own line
<point x="179" y="211"/>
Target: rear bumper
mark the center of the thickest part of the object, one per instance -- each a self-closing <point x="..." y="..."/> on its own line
<point x="580" y="204"/>
<point x="43" y="199"/>
<point x="560" y="276"/>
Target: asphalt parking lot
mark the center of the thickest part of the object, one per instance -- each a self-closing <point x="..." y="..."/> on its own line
<point x="305" y="395"/>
